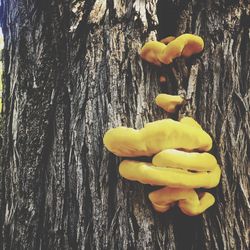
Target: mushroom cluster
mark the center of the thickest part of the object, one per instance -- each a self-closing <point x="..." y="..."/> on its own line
<point x="165" y="51"/>
<point x="180" y="160"/>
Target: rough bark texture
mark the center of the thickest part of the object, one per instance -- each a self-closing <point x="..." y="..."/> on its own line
<point x="72" y="71"/>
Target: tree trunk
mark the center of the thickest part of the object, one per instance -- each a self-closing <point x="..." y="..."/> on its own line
<point x="71" y="72"/>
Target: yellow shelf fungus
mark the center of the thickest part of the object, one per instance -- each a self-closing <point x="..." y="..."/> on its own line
<point x="155" y="137"/>
<point x="168" y="102"/>
<point x="172" y="166"/>
<point x="147" y="173"/>
<point x="193" y="161"/>
<point x="170" y="143"/>
<point x="185" y="45"/>
<point x="188" y="200"/>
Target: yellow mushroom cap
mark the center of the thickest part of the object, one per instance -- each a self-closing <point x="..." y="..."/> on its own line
<point x="185" y="45"/>
<point x="147" y="173"/>
<point x="194" y="161"/>
<point x="187" y="199"/>
<point x="206" y="200"/>
<point x="155" y="137"/>
<point x="178" y="170"/>
<point x="150" y="51"/>
<point x="194" y="44"/>
<point x="190" y="121"/>
<point x="168" y="102"/>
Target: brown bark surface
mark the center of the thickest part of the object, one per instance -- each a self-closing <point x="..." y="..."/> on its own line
<point x="72" y="71"/>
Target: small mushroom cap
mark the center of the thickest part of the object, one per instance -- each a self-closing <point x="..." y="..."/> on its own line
<point x="194" y="45"/>
<point x="168" y="102"/>
<point x="163" y="79"/>
<point x="184" y="45"/>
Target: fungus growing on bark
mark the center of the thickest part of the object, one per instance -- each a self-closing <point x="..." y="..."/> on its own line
<point x="171" y="166"/>
<point x="148" y="173"/>
<point x="168" y="102"/>
<point x="170" y="143"/>
<point x="194" y="161"/>
<point x="155" y="137"/>
<point x="151" y="52"/>
<point x="185" y="45"/>
<point x="188" y="200"/>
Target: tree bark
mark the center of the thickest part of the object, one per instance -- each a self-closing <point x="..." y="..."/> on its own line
<point x="71" y="72"/>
